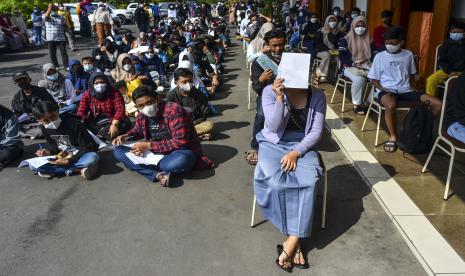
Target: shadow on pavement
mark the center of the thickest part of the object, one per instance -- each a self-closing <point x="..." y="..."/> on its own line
<point x="9" y="57"/>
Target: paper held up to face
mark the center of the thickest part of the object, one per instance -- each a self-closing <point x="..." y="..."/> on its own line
<point x="294" y="68"/>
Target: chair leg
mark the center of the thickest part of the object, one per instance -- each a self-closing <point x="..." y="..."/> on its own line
<point x="378" y="126"/>
<point x="249" y="97"/>
<point x="366" y="117"/>
<point x="449" y="174"/>
<point x="344" y="97"/>
<point x="335" y="90"/>
<point x="325" y="194"/>
<point x="252" y="221"/>
<point x="430" y="155"/>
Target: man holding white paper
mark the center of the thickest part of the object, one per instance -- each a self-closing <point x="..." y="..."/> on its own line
<point x="167" y="130"/>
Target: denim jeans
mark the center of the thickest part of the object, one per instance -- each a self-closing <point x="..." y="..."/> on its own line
<point x="70" y="109"/>
<point x="87" y="159"/>
<point x="52" y="50"/>
<point x="457" y="131"/>
<point x="258" y="123"/>
<point x="178" y="161"/>
<point x="38" y="35"/>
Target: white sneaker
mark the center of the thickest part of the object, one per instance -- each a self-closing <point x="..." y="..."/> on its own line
<point x="45" y="175"/>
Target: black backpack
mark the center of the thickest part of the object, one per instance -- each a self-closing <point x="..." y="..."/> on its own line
<point x="416" y="135"/>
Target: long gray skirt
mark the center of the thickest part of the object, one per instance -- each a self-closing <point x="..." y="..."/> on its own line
<point x="286" y="200"/>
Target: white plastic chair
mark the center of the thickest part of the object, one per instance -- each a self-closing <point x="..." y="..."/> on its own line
<point x="376" y="107"/>
<point x="325" y="194"/>
<point x="453" y="144"/>
<point x="436" y="65"/>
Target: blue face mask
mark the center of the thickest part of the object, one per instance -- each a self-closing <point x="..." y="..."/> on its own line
<point x="456" y="36"/>
<point x="53" y="13"/>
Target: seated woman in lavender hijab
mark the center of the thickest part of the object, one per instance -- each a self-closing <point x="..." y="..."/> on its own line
<point x="288" y="169"/>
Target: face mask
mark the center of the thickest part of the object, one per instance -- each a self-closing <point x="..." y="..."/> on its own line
<point x="301" y="14"/>
<point x="185" y="87"/>
<point x="149" y="110"/>
<point x="127" y="67"/>
<point x="88" y="68"/>
<point x="456" y="36"/>
<point x="354" y="15"/>
<point x="392" y="48"/>
<point x="53" y="77"/>
<point x="149" y="55"/>
<point x="119" y="43"/>
<point x="276" y="56"/>
<point x="314" y="20"/>
<point x="336" y="13"/>
<point x="157" y="50"/>
<point x="54" y="124"/>
<point x="53" y="13"/>
<point x="98" y="57"/>
<point x="141" y="6"/>
<point x="100" y="88"/>
<point x="332" y="24"/>
<point x="360" y="30"/>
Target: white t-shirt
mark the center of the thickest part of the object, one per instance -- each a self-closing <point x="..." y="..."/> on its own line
<point x="394" y="70"/>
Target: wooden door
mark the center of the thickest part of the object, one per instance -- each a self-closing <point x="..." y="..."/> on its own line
<point x="348" y="5"/>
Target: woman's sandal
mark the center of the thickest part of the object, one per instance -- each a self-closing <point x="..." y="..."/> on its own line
<point x="252" y="157"/>
<point x="206" y="137"/>
<point x="390" y="146"/>
<point x="305" y="265"/>
<point x="287" y="264"/>
<point x="359" y="110"/>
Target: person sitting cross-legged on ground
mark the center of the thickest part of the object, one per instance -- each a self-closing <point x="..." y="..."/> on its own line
<point x="24" y="101"/>
<point x="193" y="101"/>
<point x="167" y="129"/>
<point x="11" y="146"/>
<point x="102" y="109"/>
<point x="288" y="169"/>
<point x="451" y="59"/>
<point x="454" y="119"/>
<point x="67" y="139"/>
<point x="390" y="73"/>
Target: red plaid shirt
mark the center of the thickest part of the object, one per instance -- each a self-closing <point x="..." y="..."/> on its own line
<point x="181" y="129"/>
<point x="112" y="106"/>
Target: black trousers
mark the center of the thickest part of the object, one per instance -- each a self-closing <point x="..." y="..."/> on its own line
<point x="52" y="49"/>
<point x="8" y="154"/>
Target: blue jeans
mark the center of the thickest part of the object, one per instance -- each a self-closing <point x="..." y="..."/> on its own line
<point x="70" y="109"/>
<point x="178" y="161"/>
<point x="457" y="131"/>
<point x="87" y="159"/>
<point x="38" y="35"/>
<point x="258" y="123"/>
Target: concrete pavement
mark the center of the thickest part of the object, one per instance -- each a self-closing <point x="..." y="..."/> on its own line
<point x="119" y="224"/>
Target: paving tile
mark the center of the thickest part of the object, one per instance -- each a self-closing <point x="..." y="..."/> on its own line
<point x="394" y="197"/>
<point x="368" y="164"/>
<point x="452" y="228"/>
<point x="429" y="243"/>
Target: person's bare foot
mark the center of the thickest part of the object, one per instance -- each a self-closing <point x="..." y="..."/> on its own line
<point x="299" y="257"/>
<point x="164" y="179"/>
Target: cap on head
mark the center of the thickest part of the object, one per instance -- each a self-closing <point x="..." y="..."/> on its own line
<point x="20" y="75"/>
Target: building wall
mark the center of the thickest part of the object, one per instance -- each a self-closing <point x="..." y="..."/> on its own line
<point x="337" y="3"/>
<point x="458" y="9"/>
<point x="363" y="5"/>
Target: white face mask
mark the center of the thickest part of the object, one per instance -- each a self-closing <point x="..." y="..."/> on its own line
<point x="360" y="30"/>
<point x="336" y="13"/>
<point x="98" y="57"/>
<point x="100" y="88"/>
<point x="149" y="110"/>
<point x="354" y="15"/>
<point x="127" y="67"/>
<point x="392" y="48"/>
<point x="185" y="87"/>
<point x="149" y="55"/>
<point x="332" y="24"/>
<point x="314" y="20"/>
<point x="54" y="124"/>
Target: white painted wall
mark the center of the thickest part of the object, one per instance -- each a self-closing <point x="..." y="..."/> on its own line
<point x="458" y="9"/>
<point x="362" y="5"/>
<point x="337" y="3"/>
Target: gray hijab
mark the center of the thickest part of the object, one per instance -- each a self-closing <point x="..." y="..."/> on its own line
<point x="56" y="88"/>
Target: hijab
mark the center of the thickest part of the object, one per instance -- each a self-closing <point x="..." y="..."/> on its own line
<point x="359" y="46"/>
<point x="56" y="88"/>
<point x="93" y="94"/>
<point x="326" y="30"/>
<point x="259" y="40"/>
<point x="118" y="74"/>
<point x="80" y="78"/>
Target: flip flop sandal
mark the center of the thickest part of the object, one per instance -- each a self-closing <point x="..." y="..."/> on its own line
<point x="306" y="265"/>
<point x="390" y="146"/>
<point x="249" y="157"/>
<point x="288" y="260"/>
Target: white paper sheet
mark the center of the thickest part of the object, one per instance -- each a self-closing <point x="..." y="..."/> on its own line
<point x="36" y="162"/>
<point x="148" y="158"/>
<point x="294" y="68"/>
<point x="97" y="140"/>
